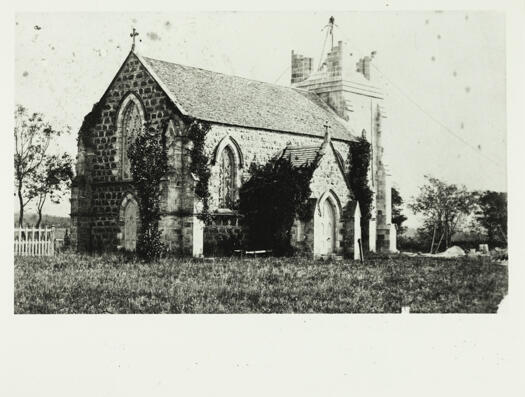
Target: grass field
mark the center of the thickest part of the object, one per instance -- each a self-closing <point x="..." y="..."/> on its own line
<point x="70" y="283"/>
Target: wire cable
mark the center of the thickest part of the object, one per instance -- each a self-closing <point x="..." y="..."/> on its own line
<point x="421" y="109"/>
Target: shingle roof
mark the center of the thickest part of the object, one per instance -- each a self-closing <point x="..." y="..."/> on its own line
<point x="221" y="98"/>
<point x="301" y="155"/>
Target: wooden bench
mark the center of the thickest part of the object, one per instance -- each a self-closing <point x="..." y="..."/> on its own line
<point x="252" y="253"/>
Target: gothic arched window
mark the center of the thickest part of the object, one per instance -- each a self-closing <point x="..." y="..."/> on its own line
<point x="130" y="127"/>
<point x="227" y="179"/>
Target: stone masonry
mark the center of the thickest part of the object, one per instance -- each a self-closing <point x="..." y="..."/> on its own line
<point x="100" y="192"/>
<point x="347" y="85"/>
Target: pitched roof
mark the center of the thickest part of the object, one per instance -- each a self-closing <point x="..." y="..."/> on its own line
<point x="233" y="100"/>
<point x="301" y="155"/>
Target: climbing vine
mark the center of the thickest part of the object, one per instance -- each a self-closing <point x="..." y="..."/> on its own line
<point x="90" y="121"/>
<point x="270" y="200"/>
<point x="149" y="163"/>
<point x="200" y="164"/>
<point x="358" y="178"/>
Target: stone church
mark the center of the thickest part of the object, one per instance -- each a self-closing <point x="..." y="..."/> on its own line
<point x="314" y="120"/>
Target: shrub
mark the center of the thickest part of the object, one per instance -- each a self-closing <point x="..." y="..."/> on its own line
<point x="90" y="121"/>
<point x="414" y="244"/>
<point x="222" y="243"/>
<point x="270" y="200"/>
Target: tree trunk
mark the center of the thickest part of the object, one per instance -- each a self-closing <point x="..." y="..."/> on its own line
<point x="502" y="233"/>
<point x="433" y="237"/>
<point x="21" y="202"/>
<point x="39" y="209"/>
<point x="439" y="244"/>
<point x="39" y="218"/>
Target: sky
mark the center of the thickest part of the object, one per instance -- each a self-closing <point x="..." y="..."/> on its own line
<point x="443" y="74"/>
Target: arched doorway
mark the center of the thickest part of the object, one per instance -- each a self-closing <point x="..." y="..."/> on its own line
<point x="130" y="226"/>
<point x="327" y="220"/>
<point x="328" y="228"/>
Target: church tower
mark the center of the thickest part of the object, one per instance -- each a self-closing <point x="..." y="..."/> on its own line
<point x="350" y="87"/>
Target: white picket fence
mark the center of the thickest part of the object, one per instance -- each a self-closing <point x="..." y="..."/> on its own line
<point x="34" y="242"/>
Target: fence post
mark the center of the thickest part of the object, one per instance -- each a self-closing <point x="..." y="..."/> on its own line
<point x="361" y="253"/>
<point x="30" y="241"/>
<point x="37" y="242"/>
<point x="49" y="241"/>
<point x="53" y="240"/>
<point x="45" y="242"/>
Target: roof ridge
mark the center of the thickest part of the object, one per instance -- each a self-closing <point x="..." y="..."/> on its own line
<point x="302" y="146"/>
<point x="225" y="74"/>
<point x="235" y="100"/>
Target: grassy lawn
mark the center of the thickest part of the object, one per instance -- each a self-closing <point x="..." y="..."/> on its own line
<point x="70" y="283"/>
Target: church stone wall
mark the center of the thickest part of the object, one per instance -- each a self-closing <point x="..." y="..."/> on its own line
<point x="96" y="202"/>
<point x="95" y="220"/>
<point x="328" y="177"/>
<point x="259" y="146"/>
<point x="347" y="87"/>
<point x="97" y="197"/>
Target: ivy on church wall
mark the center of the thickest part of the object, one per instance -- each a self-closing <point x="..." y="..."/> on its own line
<point x="149" y="163"/>
<point x="358" y="179"/>
<point x="199" y="166"/>
<point x="88" y="124"/>
<point x="271" y="199"/>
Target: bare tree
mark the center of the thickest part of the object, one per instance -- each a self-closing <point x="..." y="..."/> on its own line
<point x="33" y="136"/>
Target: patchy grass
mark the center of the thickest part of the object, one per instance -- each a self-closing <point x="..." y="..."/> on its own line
<point x="70" y="283"/>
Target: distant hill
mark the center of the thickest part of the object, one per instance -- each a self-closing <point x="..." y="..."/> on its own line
<point x="47" y="220"/>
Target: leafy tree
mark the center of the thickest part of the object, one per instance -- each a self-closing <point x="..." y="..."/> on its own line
<point x="397" y="217"/>
<point x="33" y="135"/>
<point x="270" y="200"/>
<point x="442" y="205"/>
<point x="149" y="163"/>
<point x="50" y="180"/>
<point x="493" y="215"/>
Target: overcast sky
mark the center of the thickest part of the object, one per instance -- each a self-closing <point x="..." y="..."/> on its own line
<point x="443" y="72"/>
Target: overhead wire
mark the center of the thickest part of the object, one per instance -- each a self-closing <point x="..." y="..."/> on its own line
<point x="322" y="51"/>
<point x="282" y="74"/>
<point x="426" y="113"/>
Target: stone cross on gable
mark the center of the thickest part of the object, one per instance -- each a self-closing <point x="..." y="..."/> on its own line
<point x="133" y="35"/>
<point x="327" y="135"/>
